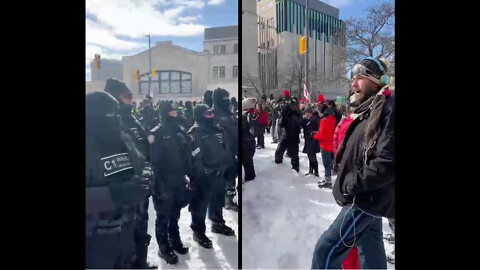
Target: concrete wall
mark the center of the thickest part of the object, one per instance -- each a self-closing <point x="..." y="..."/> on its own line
<point x="166" y="56"/>
<point x="249" y="43"/>
<point x="109" y="68"/>
<point x="227" y="60"/>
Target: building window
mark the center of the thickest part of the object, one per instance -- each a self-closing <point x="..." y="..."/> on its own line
<point x="235" y="71"/>
<point x="215" y="72"/>
<point x="223" y="49"/>
<point x="216" y="49"/>
<point x="143" y="83"/>
<point x="235" y="48"/>
<point x="186" y="79"/>
<point x="222" y="72"/>
<point x="174" y="82"/>
<point x="164" y="82"/>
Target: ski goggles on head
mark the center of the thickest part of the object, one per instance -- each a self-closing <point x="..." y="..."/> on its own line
<point x="208" y="114"/>
<point x="361" y="70"/>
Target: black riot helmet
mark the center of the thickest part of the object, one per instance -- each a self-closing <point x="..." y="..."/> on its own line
<point x="207" y="98"/>
<point x="221" y="99"/>
<point x="165" y="108"/>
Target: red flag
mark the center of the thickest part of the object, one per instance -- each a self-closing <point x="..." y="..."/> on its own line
<point x="305" y="93"/>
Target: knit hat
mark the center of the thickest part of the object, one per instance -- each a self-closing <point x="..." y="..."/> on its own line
<point x="286" y="93"/>
<point x="320" y="98"/>
<point x="248" y="103"/>
<point x="370" y="69"/>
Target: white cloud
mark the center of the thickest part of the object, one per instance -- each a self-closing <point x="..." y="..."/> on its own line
<point x="215" y="2"/>
<point x="190" y="19"/>
<point x="102" y="36"/>
<point x="136" y="18"/>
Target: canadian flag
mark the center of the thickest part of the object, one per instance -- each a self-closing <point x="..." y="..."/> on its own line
<point x="305" y="93"/>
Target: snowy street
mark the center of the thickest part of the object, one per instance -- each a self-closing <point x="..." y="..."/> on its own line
<point x="224" y="254"/>
<point x="284" y="213"/>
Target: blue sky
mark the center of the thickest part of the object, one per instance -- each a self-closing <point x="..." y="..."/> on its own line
<point x="115" y="28"/>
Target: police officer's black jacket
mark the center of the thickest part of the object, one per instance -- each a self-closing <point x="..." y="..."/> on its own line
<point x="309" y="126"/>
<point x="372" y="183"/>
<point x="170" y="150"/>
<point x="112" y="165"/>
<point x="229" y="123"/>
<point x="149" y="118"/>
<point x="188" y="121"/>
<point x="210" y="150"/>
<point x="135" y="129"/>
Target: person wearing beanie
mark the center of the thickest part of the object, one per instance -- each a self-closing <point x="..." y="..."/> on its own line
<point x="286" y="93"/>
<point x="311" y="147"/>
<point x="123" y="95"/>
<point x="224" y="116"/>
<point x="365" y="166"/>
<point x="320" y="99"/>
<point x="171" y="163"/>
<point x="211" y="160"/>
<point x="113" y="182"/>
<point x="207" y="98"/>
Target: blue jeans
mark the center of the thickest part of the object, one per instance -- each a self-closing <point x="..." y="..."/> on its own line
<point x="327" y="159"/>
<point x="330" y="251"/>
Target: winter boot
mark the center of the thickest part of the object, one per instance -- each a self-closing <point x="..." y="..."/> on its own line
<point x="231" y="205"/>
<point x="202" y="240"/>
<point x="310" y="169"/>
<point x="315" y="168"/>
<point x="296" y="168"/>
<point x="177" y="245"/>
<point x="221" y="228"/>
<point x="165" y="252"/>
<point x="391" y="256"/>
<point x="327" y="183"/>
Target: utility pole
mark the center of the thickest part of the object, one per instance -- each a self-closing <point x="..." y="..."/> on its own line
<point x="150" y="64"/>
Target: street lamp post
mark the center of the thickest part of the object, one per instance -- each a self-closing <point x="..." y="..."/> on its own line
<point x="150" y="65"/>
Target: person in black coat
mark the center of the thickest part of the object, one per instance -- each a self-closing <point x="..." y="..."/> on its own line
<point x="123" y="95"/>
<point x="365" y="164"/>
<point x="248" y="146"/>
<point x="229" y="122"/>
<point x="291" y="122"/>
<point x="114" y="187"/>
<point x="148" y="116"/>
<point x="211" y="160"/>
<point x="188" y="113"/>
<point x="311" y="147"/>
<point x="171" y="162"/>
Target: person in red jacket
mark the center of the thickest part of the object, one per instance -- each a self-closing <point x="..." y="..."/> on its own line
<point x="325" y="137"/>
<point x="260" y="125"/>
<point x="340" y="131"/>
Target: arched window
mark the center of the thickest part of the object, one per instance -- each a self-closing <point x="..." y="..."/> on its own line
<point x="167" y="81"/>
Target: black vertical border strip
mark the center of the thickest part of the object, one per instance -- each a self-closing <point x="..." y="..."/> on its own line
<point x="239" y="106"/>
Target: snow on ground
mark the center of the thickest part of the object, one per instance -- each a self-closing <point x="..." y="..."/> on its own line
<point x="224" y="254"/>
<point x="284" y="213"/>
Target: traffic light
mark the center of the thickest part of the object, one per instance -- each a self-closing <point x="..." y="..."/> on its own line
<point x="137" y="75"/>
<point x="154" y="73"/>
<point x="96" y="61"/>
<point x="302" y="48"/>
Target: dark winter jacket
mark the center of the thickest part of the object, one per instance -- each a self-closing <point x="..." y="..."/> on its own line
<point x="248" y="141"/>
<point x="325" y="133"/>
<point x="309" y="127"/>
<point x="171" y="153"/>
<point x="291" y="121"/>
<point x="210" y="150"/>
<point x="229" y="123"/>
<point x="135" y="129"/>
<point x="149" y="118"/>
<point x="188" y="119"/>
<point x="372" y="183"/>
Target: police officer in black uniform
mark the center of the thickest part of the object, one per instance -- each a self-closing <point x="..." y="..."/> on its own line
<point x="123" y="95"/>
<point x="211" y="159"/>
<point x="248" y="146"/>
<point x="114" y="185"/>
<point x="229" y="122"/>
<point x="171" y="160"/>
<point x="148" y="116"/>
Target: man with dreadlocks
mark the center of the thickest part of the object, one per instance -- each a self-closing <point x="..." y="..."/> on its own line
<point x="365" y="165"/>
